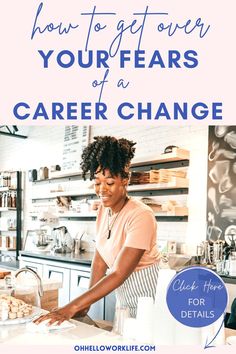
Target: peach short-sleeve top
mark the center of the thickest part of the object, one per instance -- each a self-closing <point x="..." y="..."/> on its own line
<point x="135" y="226"/>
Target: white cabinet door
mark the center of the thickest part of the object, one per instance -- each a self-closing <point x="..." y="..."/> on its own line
<point x="37" y="267"/>
<point x="62" y="275"/>
<point x="231" y="289"/>
<point x="79" y="284"/>
<point x="110" y="306"/>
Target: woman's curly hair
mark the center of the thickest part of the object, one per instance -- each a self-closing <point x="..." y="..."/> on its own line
<point x="109" y="153"/>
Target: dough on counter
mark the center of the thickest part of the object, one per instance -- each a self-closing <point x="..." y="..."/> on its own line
<point x="16" y="308"/>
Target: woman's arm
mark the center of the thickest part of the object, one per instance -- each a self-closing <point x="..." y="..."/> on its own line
<point x="98" y="269"/>
<point x="125" y="264"/>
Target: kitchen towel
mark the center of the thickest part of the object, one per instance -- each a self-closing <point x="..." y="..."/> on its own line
<point x="44" y="328"/>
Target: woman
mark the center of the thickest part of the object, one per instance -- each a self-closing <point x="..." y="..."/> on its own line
<point x="126" y="233"/>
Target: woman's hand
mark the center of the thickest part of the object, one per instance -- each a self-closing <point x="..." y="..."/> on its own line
<point x="82" y="313"/>
<point x="57" y="316"/>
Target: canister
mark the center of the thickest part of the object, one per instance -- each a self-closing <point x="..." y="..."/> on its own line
<point x="43" y="173"/>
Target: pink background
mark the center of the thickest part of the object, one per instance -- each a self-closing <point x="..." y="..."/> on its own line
<point x="24" y="79"/>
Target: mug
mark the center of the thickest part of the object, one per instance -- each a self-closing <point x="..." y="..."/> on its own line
<point x="54" y="168"/>
<point x="32" y="174"/>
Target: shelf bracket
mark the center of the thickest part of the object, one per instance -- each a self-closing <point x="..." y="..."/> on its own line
<point x="12" y="132"/>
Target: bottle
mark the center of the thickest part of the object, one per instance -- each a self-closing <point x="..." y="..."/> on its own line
<point x="9" y="200"/>
<point x="4" y="200"/>
<point x="13" y="180"/>
<point x="4" y="179"/>
<point x="4" y="311"/>
<point x="77" y="246"/>
<point x="8" y="179"/>
<point x="13" y="199"/>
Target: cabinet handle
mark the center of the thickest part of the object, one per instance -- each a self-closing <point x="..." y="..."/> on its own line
<point x="81" y="277"/>
<point x="54" y="271"/>
<point x="78" y="280"/>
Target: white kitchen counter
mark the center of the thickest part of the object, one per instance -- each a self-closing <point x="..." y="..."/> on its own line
<point x="81" y="334"/>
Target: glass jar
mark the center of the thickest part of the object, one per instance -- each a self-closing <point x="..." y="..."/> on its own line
<point x="3" y="310"/>
<point x="232" y="264"/>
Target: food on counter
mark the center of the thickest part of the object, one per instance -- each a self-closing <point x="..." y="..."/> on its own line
<point x="12" y="308"/>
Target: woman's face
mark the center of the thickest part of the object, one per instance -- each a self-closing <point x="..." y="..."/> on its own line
<point x="110" y="189"/>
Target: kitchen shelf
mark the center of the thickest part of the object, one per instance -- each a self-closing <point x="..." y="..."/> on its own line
<point x="157" y="192"/>
<point x="176" y="158"/>
<point x="17" y="212"/>
<point x="171" y="218"/>
<point x="62" y="174"/>
<point x="160" y="216"/>
<point x="7" y="189"/>
<point x="176" y="155"/>
<point x="67" y="215"/>
<point x="64" y="194"/>
<point x="7" y="209"/>
<point x="72" y="193"/>
<point x="177" y="183"/>
<point x="77" y="215"/>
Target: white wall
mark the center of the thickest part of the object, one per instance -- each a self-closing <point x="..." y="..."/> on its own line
<point x="44" y="147"/>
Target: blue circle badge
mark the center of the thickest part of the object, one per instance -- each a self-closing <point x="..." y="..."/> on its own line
<point x="197" y="297"/>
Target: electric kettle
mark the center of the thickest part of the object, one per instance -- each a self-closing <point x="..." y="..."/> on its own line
<point x="62" y="240"/>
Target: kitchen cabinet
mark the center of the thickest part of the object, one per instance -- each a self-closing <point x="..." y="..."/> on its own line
<point x="62" y="275"/>
<point x="52" y="272"/>
<point x="10" y="215"/>
<point x="78" y="285"/>
<point x="75" y="281"/>
<point x="48" y="270"/>
<point x="37" y="267"/>
<point x="109" y="306"/>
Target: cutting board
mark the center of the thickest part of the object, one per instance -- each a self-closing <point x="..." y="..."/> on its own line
<point x="3" y="273"/>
